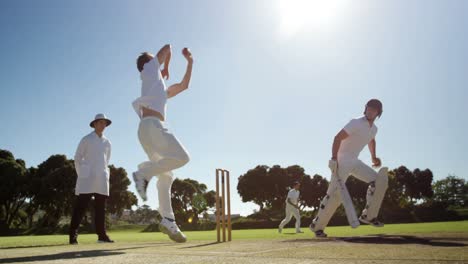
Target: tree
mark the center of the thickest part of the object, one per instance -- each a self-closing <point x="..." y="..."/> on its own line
<point x="312" y="191"/>
<point x="250" y="186"/>
<point x="358" y="191"/>
<point x="394" y="197"/>
<point x="277" y="186"/>
<point x="12" y="187"/>
<point x="119" y="197"/>
<point x="268" y="187"/>
<point x="451" y="190"/>
<point x="49" y="188"/>
<point x="33" y="188"/>
<point x="189" y="199"/>
<point x="143" y="215"/>
<point x="57" y="179"/>
<point x="414" y="185"/>
<point x="423" y="188"/>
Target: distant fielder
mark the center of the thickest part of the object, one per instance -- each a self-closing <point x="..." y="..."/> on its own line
<point x="347" y="146"/>
<point x="292" y="208"/>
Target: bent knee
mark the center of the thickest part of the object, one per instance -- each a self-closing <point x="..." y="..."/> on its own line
<point x="382" y="178"/>
<point x="182" y="160"/>
<point x="165" y="178"/>
<point x="185" y="159"/>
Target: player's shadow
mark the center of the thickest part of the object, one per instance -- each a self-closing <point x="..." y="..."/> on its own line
<point x="204" y="245"/>
<point x="401" y="240"/>
<point x="34" y="246"/>
<point x="54" y="245"/>
<point x="69" y="255"/>
<point x="395" y="240"/>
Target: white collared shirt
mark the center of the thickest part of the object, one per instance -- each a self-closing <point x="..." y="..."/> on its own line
<point x="293" y="196"/>
<point x="360" y="133"/>
<point x="153" y="89"/>
<point x="91" y="163"/>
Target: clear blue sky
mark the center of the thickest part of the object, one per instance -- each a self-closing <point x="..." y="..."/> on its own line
<point x="261" y="93"/>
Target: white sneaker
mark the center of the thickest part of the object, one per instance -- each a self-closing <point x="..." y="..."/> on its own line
<point x="374" y="222"/>
<point x="172" y="230"/>
<point x="141" y="185"/>
<point x="320" y="234"/>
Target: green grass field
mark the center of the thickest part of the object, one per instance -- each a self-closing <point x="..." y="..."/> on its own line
<point x="135" y="234"/>
<point x="442" y="242"/>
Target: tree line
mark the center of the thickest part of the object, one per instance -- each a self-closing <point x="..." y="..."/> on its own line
<point x="412" y="195"/>
<point x="40" y="199"/>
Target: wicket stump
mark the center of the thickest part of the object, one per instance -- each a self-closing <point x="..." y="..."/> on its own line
<point x="221" y="203"/>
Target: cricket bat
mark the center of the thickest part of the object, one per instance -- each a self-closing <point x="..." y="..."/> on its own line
<point x="347" y="203"/>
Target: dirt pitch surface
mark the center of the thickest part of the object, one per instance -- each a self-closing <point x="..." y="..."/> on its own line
<point x="382" y="249"/>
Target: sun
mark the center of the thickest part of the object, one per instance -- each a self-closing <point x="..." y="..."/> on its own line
<point x="316" y="14"/>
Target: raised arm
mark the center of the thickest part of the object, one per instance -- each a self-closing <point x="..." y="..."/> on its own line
<point x="164" y="57"/>
<point x="175" y="89"/>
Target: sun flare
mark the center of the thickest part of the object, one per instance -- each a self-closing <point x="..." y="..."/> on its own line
<point x="299" y="14"/>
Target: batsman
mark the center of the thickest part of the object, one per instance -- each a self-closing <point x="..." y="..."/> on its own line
<point x="347" y="146"/>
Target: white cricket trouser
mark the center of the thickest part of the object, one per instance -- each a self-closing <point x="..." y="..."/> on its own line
<point x="378" y="183"/>
<point x="165" y="154"/>
<point x="290" y="212"/>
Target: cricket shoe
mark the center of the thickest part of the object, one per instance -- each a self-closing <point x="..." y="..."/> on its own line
<point x="170" y="228"/>
<point x="373" y="222"/>
<point x="105" y="239"/>
<point x="318" y="233"/>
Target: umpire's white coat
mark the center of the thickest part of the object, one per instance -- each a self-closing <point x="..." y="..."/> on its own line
<point x="91" y="162"/>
